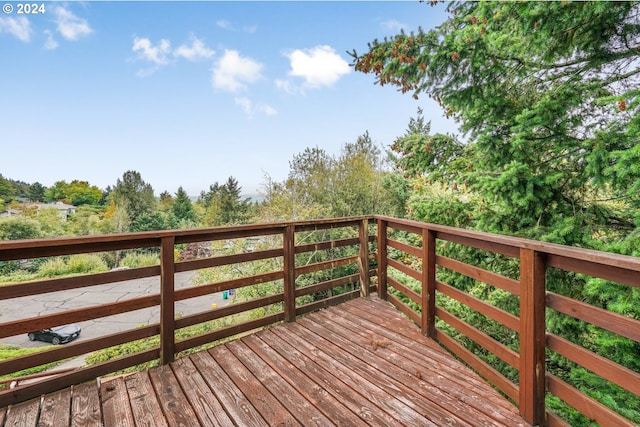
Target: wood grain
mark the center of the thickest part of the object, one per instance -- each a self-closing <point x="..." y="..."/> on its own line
<point x="354" y="364"/>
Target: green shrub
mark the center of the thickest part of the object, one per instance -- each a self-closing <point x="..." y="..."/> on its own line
<point x="53" y="267"/>
<point x="134" y="260"/>
<point x="85" y="263"/>
<point x="13" y="351"/>
<point x="75" y="264"/>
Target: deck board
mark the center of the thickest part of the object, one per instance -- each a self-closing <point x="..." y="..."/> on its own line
<point x="24" y="414"/>
<point x="294" y="402"/>
<point x="116" y="408"/>
<point x="174" y="403"/>
<point x="55" y="409"/>
<point x="323" y="376"/>
<point x="320" y="398"/>
<point x="445" y="383"/>
<point x="416" y="380"/>
<point x="230" y="396"/>
<point x="355" y="364"/>
<point x="144" y="406"/>
<point x="204" y="402"/>
<point x="389" y="375"/>
<point x="258" y="394"/>
<point x="85" y="406"/>
<point x="356" y="379"/>
<point x="409" y="409"/>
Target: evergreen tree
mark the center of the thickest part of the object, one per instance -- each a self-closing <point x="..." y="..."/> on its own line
<point x="547" y="92"/>
<point x="310" y="181"/>
<point x="134" y="195"/>
<point x="182" y="207"/>
<point x="358" y="177"/>
<point x="149" y="222"/>
<point x="37" y="192"/>
<point x="233" y="209"/>
<point x="224" y="204"/>
<point x="7" y="191"/>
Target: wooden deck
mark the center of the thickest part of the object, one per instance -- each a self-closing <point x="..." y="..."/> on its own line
<point x="358" y="363"/>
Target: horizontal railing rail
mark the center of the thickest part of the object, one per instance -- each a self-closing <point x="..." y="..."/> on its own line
<point x="305" y="266"/>
<point x="292" y="252"/>
<point x="410" y="252"/>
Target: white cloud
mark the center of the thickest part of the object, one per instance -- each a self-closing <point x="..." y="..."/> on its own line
<point x="288" y="86"/>
<point x="245" y="103"/>
<point x="69" y="25"/>
<point x="224" y="24"/>
<point x="197" y="50"/>
<point x="146" y="72"/>
<point x="51" y="43"/>
<point x="319" y="66"/>
<point x="393" y="25"/>
<point x="232" y="72"/>
<point x="162" y="54"/>
<point x="268" y="110"/>
<point x="20" y="28"/>
<point x="147" y="51"/>
<point x="250" y="108"/>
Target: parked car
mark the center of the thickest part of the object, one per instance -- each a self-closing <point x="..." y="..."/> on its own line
<point x="56" y="335"/>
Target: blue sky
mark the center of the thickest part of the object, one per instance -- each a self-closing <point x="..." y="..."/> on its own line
<point x="190" y="93"/>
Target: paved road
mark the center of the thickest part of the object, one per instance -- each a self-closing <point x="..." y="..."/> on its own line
<point x="38" y="305"/>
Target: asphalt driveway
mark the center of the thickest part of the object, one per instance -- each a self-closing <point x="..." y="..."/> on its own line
<point x="56" y="302"/>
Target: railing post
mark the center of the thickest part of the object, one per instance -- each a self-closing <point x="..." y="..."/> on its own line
<point x="428" y="283"/>
<point x="167" y="306"/>
<point x="532" y="336"/>
<point x="363" y="257"/>
<point x="382" y="259"/>
<point x="289" y="254"/>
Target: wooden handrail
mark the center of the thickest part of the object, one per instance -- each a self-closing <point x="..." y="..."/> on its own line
<point x="534" y="258"/>
<point x="166" y="242"/>
<point x="528" y="285"/>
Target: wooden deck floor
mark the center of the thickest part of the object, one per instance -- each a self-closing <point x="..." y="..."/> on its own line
<point x="359" y="363"/>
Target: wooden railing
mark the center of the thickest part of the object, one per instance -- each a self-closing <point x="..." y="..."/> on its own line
<point x="414" y="256"/>
<point x="290" y="249"/>
<point x="412" y="260"/>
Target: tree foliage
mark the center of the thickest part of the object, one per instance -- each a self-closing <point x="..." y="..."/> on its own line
<point x="547" y="96"/>
<point x="310" y="181"/>
<point x="76" y="192"/>
<point x="11" y="190"/>
<point x="37" y="192"/>
<point x="323" y="185"/>
<point x="224" y="203"/>
<point x="19" y="227"/>
<point x="547" y="93"/>
<point x="6" y="190"/>
<point x="358" y="176"/>
<point x="134" y="195"/>
<point x="88" y="220"/>
<point x="182" y="207"/>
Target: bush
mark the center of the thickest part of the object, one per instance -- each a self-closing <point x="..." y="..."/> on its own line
<point x="53" y="267"/>
<point x="84" y="264"/>
<point x="19" y="227"/>
<point x="75" y="264"/>
<point x="134" y="260"/>
<point x="13" y="351"/>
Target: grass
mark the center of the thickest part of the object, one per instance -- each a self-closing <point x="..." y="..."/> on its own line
<point x="13" y="351"/>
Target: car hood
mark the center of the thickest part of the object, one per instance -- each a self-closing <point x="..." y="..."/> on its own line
<point x="66" y="329"/>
